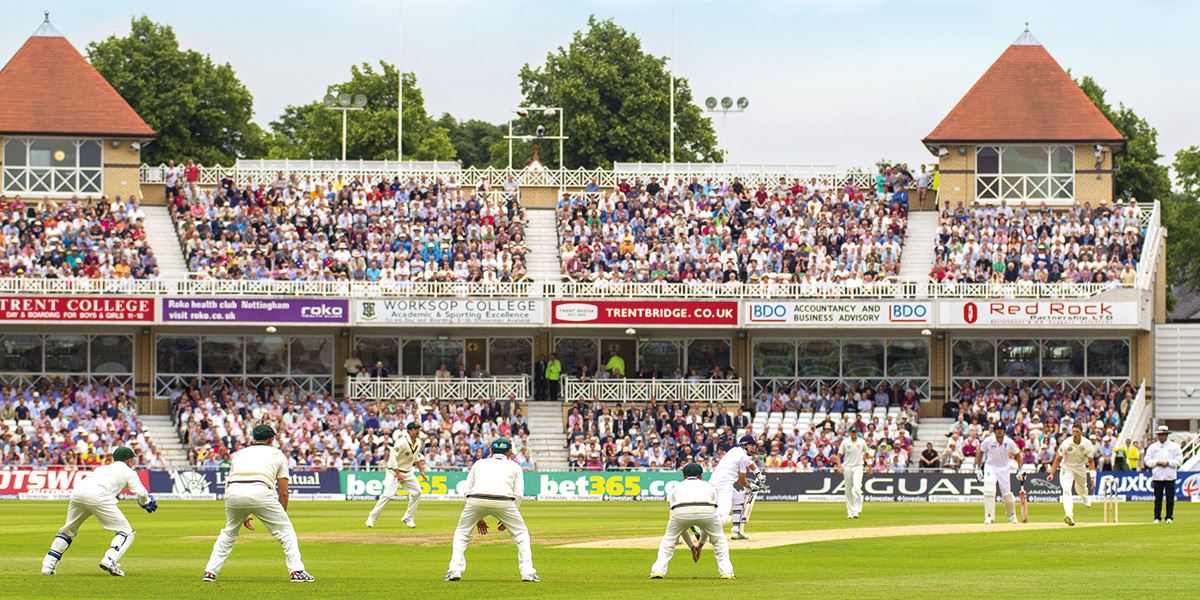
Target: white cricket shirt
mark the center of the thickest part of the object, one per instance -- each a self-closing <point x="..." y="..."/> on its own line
<point x="110" y="480"/>
<point x="692" y="497"/>
<point x="258" y="463"/>
<point x="996" y="454"/>
<point x="496" y="478"/>
<point x="405" y="453"/>
<point x="853" y="452"/>
<point x="734" y="463"/>
<point x="1076" y="455"/>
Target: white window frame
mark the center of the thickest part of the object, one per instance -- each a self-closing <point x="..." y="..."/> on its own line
<point x="53" y="182"/>
<point x="1025" y="186"/>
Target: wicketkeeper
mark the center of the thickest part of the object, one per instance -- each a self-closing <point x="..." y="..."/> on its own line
<point x="96" y="496"/>
<point x="693" y="503"/>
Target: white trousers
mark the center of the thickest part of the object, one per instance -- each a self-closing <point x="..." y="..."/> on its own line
<point x="505" y="512"/>
<point x="729" y="503"/>
<point x="252" y="499"/>
<point x="710" y="526"/>
<point x="852" y="479"/>
<point x="1076" y="480"/>
<point x="79" y="509"/>
<point x="390" y="486"/>
<point x="993" y="478"/>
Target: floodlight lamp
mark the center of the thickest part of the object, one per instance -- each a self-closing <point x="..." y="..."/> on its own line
<point x="710" y="103"/>
<point x="360" y="100"/>
<point x="344" y="99"/>
<point x="329" y="100"/>
<point x="521" y="112"/>
<point x="726" y="103"/>
<point x="541" y="131"/>
<point x="743" y="103"/>
<point x="549" y="112"/>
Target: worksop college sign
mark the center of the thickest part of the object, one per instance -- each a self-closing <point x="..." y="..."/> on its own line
<point x="451" y="311"/>
<point x="1037" y="313"/>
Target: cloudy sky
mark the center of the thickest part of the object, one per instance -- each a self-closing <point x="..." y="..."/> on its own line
<point x="836" y="82"/>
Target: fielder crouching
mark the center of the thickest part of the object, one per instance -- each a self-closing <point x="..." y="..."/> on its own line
<point x="495" y="487"/>
<point x="693" y="503"/>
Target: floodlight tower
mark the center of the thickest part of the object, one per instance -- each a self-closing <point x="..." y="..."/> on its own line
<point x="725" y="106"/>
<point x="345" y="103"/>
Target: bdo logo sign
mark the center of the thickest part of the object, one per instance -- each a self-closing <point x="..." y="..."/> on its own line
<point x="908" y="313"/>
<point x="768" y="313"/>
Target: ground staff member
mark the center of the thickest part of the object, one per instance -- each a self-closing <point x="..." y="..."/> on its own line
<point x="96" y="496"/>
<point x="1076" y="455"/>
<point x="408" y="452"/>
<point x="494" y="488"/>
<point x="1163" y="458"/>
<point x="693" y="503"/>
<point x="257" y="486"/>
<point x="553" y="374"/>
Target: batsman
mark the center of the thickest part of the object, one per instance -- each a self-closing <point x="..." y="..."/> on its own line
<point x="1076" y="456"/>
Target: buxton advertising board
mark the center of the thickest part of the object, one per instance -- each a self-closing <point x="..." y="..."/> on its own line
<point x="257" y="310"/>
<point x="1037" y="313"/>
<point x="451" y="311"/>
<point x="836" y="314"/>
<point x="623" y="313"/>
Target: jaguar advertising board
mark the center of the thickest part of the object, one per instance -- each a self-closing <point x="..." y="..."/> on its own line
<point x="833" y="314"/>
<point x="900" y="487"/>
<point x="451" y="311"/>
<point x="1037" y="313"/>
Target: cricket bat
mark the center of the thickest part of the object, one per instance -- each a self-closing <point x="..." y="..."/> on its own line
<point x="1024" y="506"/>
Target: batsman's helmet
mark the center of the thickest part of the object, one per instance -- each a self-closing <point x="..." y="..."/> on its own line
<point x="122" y="454"/>
<point x="747" y="439"/>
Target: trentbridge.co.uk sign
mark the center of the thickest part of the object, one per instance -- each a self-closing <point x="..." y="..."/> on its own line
<point x="684" y="313"/>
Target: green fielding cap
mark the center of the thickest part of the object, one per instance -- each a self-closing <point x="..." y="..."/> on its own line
<point x="692" y="470"/>
<point x="263" y="433"/>
<point x="501" y="446"/>
<point x="413" y="425"/>
<point x="122" y="454"/>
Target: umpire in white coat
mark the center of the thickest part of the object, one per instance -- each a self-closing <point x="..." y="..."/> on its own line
<point x="494" y="488"/>
<point x="693" y="503"/>
<point x="1163" y="458"/>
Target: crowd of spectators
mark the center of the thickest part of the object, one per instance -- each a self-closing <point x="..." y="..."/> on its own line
<point x="1037" y="416"/>
<point x="1082" y="244"/>
<point x="70" y="422"/>
<point x="75" y="238"/>
<point x="315" y="431"/>
<point x="701" y="232"/>
<point x="413" y="230"/>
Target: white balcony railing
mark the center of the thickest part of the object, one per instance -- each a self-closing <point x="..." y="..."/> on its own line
<point x="1137" y="419"/>
<point x="643" y="390"/>
<point x="432" y="388"/>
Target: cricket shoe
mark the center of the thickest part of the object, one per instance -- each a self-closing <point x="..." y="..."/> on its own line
<point x="1156" y="521"/>
<point x="1170" y="520"/>
<point x="987" y="521"/>
<point x="209" y="576"/>
<point x="370" y="524"/>
<point x="453" y="576"/>
<point x="737" y="535"/>
<point x="112" y="568"/>
<point x="657" y="576"/>
<point x="728" y="577"/>
<point x="302" y="577"/>
<point x="1087" y="503"/>
<point x="411" y="523"/>
<point x="1013" y="520"/>
<point x="48" y="571"/>
<point x="1069" y="521"/>
<point x="533" y="578"/>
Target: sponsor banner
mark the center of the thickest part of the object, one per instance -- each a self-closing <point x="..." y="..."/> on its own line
<point x="832" y="314"/>
<point x="76" y="308"/>
<point x="1136" y="485"/>
<point x="600" y="485"/>
<point x="368" y="485"/>
<point x="208" y="483"/>
<point x="1037" y="313"/>
<point x="451" y="311"/>
<point x="635" y="312"/>
<point x="47" y="482"/>
<point x="256" y="310"/>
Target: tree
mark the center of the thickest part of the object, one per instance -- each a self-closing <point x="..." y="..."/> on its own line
<point x="199" y="109"/>
<point x="1139" y="174"/>
<point x="473" y="141"/>
<point x="1181" y="215"/>
<point x="615" y="102"/>
<point x="314" y="131"/>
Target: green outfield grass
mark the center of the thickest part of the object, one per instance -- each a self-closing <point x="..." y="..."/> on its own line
<point x="350" y="561"/>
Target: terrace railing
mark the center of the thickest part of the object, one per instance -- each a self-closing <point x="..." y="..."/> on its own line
<point x="434" y="388"/>
<point x="725" y="391"/>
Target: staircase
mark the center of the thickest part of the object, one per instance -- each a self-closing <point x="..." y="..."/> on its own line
<point x="160" y="233"/>
<point x="547" y="437"/>
<point x="166" y="439"/>
<point x="541" y="234"/>
<point x="931" y="430"/>
<point x="917" y="258"/>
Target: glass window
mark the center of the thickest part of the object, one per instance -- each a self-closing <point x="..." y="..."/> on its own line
<point x="312" y="355"/>
<point x="663" y="356"/>
<point x="112" y="354"/>
<point x="435" y="353"/>
<point x="862" y="358"/>
<point x="66" y="353"/>
<point x="774" y="359"/>
<point x="1062" y="159"/>
<point x="14" y="153"/>
<point x="52" y="153"/>
<point x="1025" y="160"/>
<point x="576" y="352"/>
<point x="1108" y="358"/>
<point x="21" y="354"/>
<point x="1017" y="358"/>
<point x="1062" y="358"/>
<point x="908" y="358"/>
<point x="818" y="358"/>
<point x="510" y="356"/>
<point x="266" y="355"/>
<point x="987" y="160"/>
<point x="703" y="355"/>
<point x="411" y="359"/>
<point x="371" y="350"/>
<point x="178" y="355"/>
<point x="974" y="358"/>
<point x="221" y="355"/>
<point x="91" y="153"/>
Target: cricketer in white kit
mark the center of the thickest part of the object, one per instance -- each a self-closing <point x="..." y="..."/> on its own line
<point x="851" y="457"/>
<point x="257" y="486"/>
<point x="494" y="487"/>
<point x="732" y="469"/>
<point x="96" y="496"/>
<point x="408" y="452"/>
<point x="693" y="503"/>
<point x="1077" y="456"/>
<point x="997" y="454"/>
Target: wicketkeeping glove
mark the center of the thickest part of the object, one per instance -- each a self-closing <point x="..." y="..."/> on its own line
<point x="151" y="506"/>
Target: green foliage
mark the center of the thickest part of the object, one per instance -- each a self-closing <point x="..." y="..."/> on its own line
<point x="473" y="141"/>
<point x="615" y="102"/>
<point x="1187" y="171"/>
<point x="1139" y="174"/>
<point x="314" y="131"/>
<point x="199" y="109"/>
<point x="1181" y="216"/>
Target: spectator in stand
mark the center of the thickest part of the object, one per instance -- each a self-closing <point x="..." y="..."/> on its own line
<point x="75" y="238"/>
<point x="930" y="459"/>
